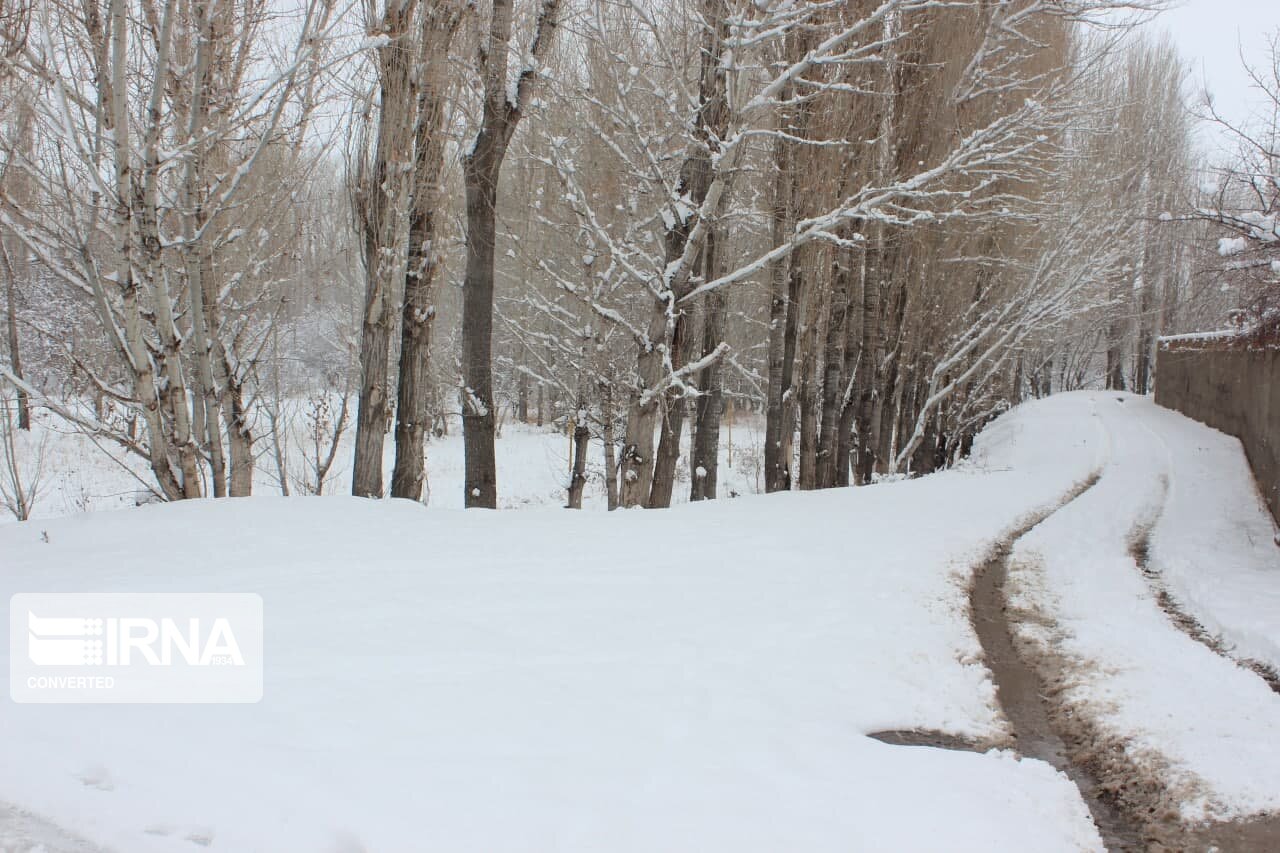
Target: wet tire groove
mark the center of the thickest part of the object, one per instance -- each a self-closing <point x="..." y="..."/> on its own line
<point x="1023" y="695"/>
<point x="1132" y="807"/>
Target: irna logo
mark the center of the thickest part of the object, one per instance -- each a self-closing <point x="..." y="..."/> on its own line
<point x="135" y="647"/>
<point x="93" y="641"/>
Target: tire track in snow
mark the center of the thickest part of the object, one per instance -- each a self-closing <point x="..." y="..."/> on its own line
<point x="1023" y="695"/>
<point x="1140" y="550"/>
<point x="1130" y="803"/>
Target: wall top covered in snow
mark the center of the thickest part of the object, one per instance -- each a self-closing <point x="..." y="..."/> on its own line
<point x="1249" y="331"/>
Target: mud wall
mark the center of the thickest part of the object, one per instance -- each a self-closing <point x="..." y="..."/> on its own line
<point x="1233" y="390"/>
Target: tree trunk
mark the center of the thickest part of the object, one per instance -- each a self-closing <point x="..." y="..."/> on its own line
<point x="371" y="420"/>
<point x="481" y="473"/>
<point x="239" y="443"/>
<point x="382" y="201"/>
<point x="891" y="386"/>
<point x="849" y="402"/>
<point x="1146" y="322"/>
<point x="833" y="367"/>
<point x="578" y="476"/>
<point x="414" y="390"/>
<point x="607" y="414"/>
<point x="114" y="94"/>
<point x="777" y="456"/>
<point x="674" y="407"/>
<point x="705" y="460"/>
<point x="15" y="354"/>
<point x="480" y="170"/>
<point x="207" y="414"/>
<point x="809" y="408"/>
<point x="1115" y="341"/>
<point x="872" y="355"/>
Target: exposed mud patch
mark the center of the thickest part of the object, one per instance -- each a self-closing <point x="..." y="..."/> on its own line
<point x="1261" y="835"/>
<point x="929" y="737"/>
<point x="1023" y="695"/>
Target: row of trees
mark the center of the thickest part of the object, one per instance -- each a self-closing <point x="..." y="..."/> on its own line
<point x="878" y="222"/>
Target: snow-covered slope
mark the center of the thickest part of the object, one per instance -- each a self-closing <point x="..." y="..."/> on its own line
<point x="702" y="678"/>
<point x="696" y="679"/>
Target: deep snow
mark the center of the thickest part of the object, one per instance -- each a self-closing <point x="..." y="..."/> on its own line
<point x="702" y="678"/>
<point x="698" y="679"/>
<point x="85" y="475"/>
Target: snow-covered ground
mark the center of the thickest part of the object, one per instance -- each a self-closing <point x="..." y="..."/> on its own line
<point x="80" y="474"/>
<point x="1208" y="728"/>
<point x="701" y="678"/>
<point x="697" y="679"/>
<point x="1214" y="544"/>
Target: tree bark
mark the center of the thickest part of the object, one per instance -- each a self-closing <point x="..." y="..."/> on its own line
<point x="777" y="464"/>
<point x="239" y="442"/>
<point x="578" y="475"/>
<point x="607" y="414"/>
<point x="849" y="405"/>
<point x="414" y="390"/>
<point x="833" y="368"/>
<point x="674" y="409"/>
<point x="481" y="473"/>
<point x="808" y="403"/>
<point x="382" y="201"/>
<point x="522" y="402"/>
<point x="15" y="353"/>
<point x="113" y="92"/>
<point x="481" y="168"/>
<point x="705" y="461"/>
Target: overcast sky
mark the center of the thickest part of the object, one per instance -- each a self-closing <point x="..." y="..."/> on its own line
<point x="1211" y="35"/>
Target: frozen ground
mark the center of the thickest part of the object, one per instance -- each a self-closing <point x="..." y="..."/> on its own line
<point x="702" y="678"/>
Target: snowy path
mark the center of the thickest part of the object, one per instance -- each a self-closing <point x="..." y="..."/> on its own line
<point x="1213" y="548"/>
<point x="699" y="679"/>
<point x="1200" y="731"/>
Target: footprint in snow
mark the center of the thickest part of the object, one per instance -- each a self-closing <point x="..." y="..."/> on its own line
<point x="202" y="837"/>
<point x="96" y="776"/>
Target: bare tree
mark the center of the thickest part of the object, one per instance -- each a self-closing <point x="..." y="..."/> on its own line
<point x="414" y="392"/>
<point x="504" y="104"/>
<point x="382" y="200"/>
<point x="21" y="479"/>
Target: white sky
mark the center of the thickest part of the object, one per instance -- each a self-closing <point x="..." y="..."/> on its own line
<point x="1211" y="35"/>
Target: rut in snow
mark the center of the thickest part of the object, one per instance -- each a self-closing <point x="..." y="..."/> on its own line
<point x="1024" y="697"/>
<point x="1128" y="803"/>
<point x="1140" y="551"/>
